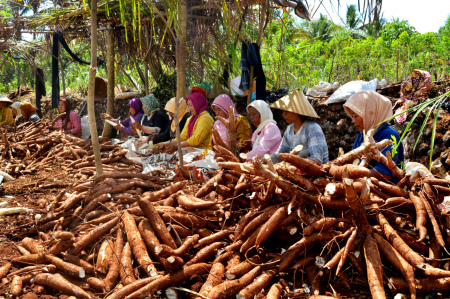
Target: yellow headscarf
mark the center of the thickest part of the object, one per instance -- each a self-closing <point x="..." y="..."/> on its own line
<point x="182" y="109"/>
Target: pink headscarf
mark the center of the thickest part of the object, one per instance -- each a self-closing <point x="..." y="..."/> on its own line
<point x="200" y="104"/>
<point x="223" y="101"/>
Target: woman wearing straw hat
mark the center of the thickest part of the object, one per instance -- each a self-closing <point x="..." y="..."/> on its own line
<point x="267" y="137"/>
<point x="301" y="131"/>
<point x="367" y="110"/>
<point x="6" y="116"/>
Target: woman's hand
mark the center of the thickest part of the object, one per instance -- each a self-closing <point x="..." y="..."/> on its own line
<point x="171" y="147"/>
<point x="117" y="127"/>
<point x="105" y="116"/>
<point x="136" y="126"/>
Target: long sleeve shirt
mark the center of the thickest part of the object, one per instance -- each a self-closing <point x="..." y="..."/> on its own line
<point x="311" y="136"/>
<point x="74" y="125"/>
<point x="168" y="133"/>
<point x="202" y="134"/>
<point x="157" y="120"/>
<point x="126" y="124"/>
<point x="384" y="132"/>
<point x="269" y="141"/>
<point x="6" y="116"/>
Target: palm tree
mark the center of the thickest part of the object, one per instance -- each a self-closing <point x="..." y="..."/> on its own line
<point x="352" y="19"/>
<point x="373" y="28"/>
<point x="322" y="29"/>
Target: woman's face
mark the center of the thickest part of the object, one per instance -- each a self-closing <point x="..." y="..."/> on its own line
<point x="171" y="115"/>
<point x="219" y="112"/>
<point x="61" y="106"/>
<point x="290" y="117"/>
<point x="356" y="119"/>
<point x="255" y="117"/>
<point x="132" y="111"/>
<point x="14" y="111"/>
<point x="145" y="110"/>
<point x="191" y="108"/>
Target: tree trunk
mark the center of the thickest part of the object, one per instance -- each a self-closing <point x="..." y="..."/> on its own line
<point x="146" y="75"/>
<point x="181" y="70"/>
<point x="91" y="89"/>
<point x="111" y="80"/>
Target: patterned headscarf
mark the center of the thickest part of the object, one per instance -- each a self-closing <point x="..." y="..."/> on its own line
<point x="200" y="104"/>
<point x="28" y="110"/>
<point x="150" y="103"/>
<point x="136" y="104"/>
<point x="371" y="106"/>
<point x="182" y="109"/>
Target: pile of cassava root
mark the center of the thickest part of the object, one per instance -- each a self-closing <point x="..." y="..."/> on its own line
<point x="252" y="230"/>
<point x="35" y="146"/>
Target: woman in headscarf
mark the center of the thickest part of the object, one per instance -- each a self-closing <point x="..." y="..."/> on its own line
<point x="29" y="112"/>
<point x="71" y="122"/>
<point x="6" y="117"/>
<point x="197" y="133"/>
<point x="220" y="107"/>
<point x="183" y="115"/>
<point x="303" y="130"/>
<point x="136" y="113"/>
<point x="367" y="109"/>
<point x="153" y="121"/>
<point x="267" y="137"/>
<point x="17" y="113"/>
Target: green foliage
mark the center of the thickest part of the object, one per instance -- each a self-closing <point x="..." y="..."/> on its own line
<point x="166" y="88"/>
<point x="393" y="30"/>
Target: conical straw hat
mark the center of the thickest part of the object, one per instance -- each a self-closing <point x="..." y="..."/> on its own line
<point x="295" y="102"/>
<point x="4" y="98"/>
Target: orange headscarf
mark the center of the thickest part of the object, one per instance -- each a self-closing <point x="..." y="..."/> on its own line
<point x="27" y="110"/>
<point x="371" y="106"/>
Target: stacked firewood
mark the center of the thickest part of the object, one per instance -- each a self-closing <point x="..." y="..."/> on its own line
<point x="244" y="233"/>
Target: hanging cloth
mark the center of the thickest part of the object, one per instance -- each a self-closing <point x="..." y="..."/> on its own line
<point x="250" y="56"/>
<point x="58" y="38"/>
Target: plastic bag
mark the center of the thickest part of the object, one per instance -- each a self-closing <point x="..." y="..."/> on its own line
<point x="85" y="129"/>
<point x="347" y="90"/>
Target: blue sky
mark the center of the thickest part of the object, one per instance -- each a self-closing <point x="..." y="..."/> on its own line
<point x="425" y="16"/>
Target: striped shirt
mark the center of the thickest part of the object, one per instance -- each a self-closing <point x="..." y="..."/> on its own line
<point x="202" y="134"/>
<point x="310" y="136"/>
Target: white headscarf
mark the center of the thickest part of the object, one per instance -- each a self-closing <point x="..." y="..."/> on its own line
<point x="266" y="117"/>
<point x="16" y="105"/>
<point x="264" y="111"/>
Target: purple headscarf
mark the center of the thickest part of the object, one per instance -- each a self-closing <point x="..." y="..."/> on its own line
<point x="223" y="101"/>
<point x="136" y="104"/>
<point x="200" y="104"/>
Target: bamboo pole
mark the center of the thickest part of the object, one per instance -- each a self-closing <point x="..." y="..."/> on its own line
<point x="111" y="79"/>
<point x="91" y="90"/>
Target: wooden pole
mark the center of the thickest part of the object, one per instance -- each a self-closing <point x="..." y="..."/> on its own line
<point x="181" y="70"/>
<point x="91" y="90"/>
<point x="111" y="79"/>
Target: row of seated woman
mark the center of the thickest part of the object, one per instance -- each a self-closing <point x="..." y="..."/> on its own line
<point x="22" y="111"/>
<point x="366" y="109"/>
